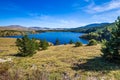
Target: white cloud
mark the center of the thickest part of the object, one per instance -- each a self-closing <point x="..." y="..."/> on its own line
<point x="113" y="4"/>
<point x="106" y="17"/>
<point x="45" y="21"/>
<point x="53" y="21"/>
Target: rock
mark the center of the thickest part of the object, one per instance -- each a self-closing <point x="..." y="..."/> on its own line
<point x="5" y="60"/>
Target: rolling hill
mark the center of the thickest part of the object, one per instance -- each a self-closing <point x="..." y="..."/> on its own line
<point x="90" y="27"/>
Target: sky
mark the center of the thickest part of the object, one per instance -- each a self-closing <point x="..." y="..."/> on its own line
<point x="58" y="13"/>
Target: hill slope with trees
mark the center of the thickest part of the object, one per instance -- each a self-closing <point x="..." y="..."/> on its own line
<point x="100" y="33"/>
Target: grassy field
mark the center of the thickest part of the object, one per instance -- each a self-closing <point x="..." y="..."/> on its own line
<point x="63" y="62"/>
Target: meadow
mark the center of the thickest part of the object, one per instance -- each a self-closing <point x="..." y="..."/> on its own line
<point x="62" y="62"/>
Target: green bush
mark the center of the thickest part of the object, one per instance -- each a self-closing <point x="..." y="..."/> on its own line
<point x="26" y="46"/>
<point x="70" y="42"/>
<point x="77" y="44"/>
<point x="111" y="49"/>
<point x="92" y="42"/>
<point x="44" y="44"/>
<point x="57" y="42"/>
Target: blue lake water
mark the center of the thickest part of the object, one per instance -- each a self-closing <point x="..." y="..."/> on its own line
<point x="64" y="37"/>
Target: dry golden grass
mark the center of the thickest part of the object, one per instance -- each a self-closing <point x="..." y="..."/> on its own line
<point x="7" y="46"/>
<point x="63" y="58"/>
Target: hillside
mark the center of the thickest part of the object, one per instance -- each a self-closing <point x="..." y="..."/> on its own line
<point x="100" y="34"/>
<point x="90" y="27"/>
<point x="96" y="25"/>
<point x="13" y="27"/>
<point x="57" y="63"/>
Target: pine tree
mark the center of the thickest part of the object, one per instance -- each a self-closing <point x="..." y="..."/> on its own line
<point x="57" y="42"/>
<point x="44" y="44"/>
<point x="111" y="49"/>
<point x="71" y="42"/>
<point x="26" y="46"/>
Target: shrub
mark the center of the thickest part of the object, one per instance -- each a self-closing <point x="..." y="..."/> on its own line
<point x="77" y="44"/>
<point x="26" y="46"/>
<point x="57" y="42"/>
<point x="44" y="44"/>
<point x="111" y="49"/>
<point x="92" y="42"/>
<point x="65" y="43"/>
<point x="71" y="42"/>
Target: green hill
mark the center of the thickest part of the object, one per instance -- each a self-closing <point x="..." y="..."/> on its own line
<point x="100" y="33"/>
<point x="89" y="28"/>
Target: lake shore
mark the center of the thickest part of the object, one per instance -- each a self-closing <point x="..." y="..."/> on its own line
<point x="63" y="37"/>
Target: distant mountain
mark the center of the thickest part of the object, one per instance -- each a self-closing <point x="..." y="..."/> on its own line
<point x="23" y="28"/>
<point x="89" y="28"/>
<point x="13" y="27"/>
<point x="86" y="28"/>
<point x="96" y="25"/>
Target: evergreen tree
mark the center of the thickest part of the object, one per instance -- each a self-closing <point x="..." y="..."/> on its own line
<point x="57" y="42"/>
<point x="44" y="44"/>
<point x="26" y="46"/>
<point x="71" y="42"/>
<point x="111" y="49"/>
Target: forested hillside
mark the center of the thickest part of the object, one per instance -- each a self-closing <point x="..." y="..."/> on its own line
<point x="100" y="33"/>
<point x="89" y="28"/>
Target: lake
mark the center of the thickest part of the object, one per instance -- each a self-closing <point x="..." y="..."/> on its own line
<point x="64" y="37"/>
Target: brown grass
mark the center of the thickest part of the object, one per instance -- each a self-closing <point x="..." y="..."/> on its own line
<point x="84" y="60"/>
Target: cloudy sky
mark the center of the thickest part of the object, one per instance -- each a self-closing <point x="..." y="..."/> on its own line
<point x="58" y="13"/>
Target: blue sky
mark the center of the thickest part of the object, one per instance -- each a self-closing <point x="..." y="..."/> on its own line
<point x="58" y="13"/>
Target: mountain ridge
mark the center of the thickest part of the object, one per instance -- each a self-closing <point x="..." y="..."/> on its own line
<point x="96" y="24"/>
<point x="24" y="28"/>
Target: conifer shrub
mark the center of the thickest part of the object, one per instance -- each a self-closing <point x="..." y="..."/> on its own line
<point x="70" y="42"/>
<point x="57" y="42"/>
<point x="44" y="44"/>
<point x="26" y="46"/>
